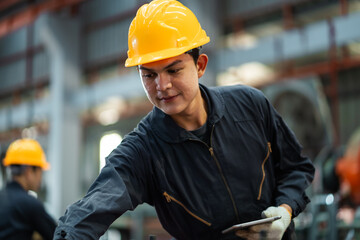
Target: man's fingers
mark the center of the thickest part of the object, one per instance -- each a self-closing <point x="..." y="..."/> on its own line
<point x="270" y="212"/>
<point x="246" y="235"/>
<point x="250" y="235"/>
<point x="260" y="227"/>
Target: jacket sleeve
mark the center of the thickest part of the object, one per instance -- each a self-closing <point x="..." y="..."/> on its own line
<point x="119" y="187"/>
<point x="45" y="226"/>
<point x="39" y="219"/>
<point x="294" y="172"/>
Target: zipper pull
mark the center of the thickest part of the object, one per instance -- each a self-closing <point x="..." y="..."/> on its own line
<point x="269" y="144"/>
<point x="211" y="150"/>
<point x="167" y="196"/>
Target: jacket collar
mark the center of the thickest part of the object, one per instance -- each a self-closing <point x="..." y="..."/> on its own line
<point x="15" y="185"/>
<point x="165" y="128"/>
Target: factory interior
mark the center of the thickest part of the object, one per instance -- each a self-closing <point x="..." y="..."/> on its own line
<point x="63" y="83"/>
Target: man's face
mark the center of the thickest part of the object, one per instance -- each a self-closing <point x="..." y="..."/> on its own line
<point x="34" y="178"/>
<point x="172" y="84"/>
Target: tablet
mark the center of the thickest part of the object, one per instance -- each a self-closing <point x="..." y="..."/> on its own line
<point x="249" y="224"/>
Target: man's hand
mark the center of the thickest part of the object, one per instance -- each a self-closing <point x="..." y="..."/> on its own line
<point x="274" y="230"/>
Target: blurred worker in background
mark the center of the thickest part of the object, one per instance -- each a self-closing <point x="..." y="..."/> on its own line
<point x="205" y="158"/>
<point x="22" y="216"/>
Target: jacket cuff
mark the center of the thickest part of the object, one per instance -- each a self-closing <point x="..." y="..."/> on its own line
<point x="296" y="206"/>
<point x="63" y="233"/>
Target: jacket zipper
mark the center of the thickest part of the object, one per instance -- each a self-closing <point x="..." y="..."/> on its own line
<point x="225" y="182"/>
<point x="263" y="169"/>
<point x="211" y="150"/>
<point x="223" y="176"/>
<point x="171" y="198"/>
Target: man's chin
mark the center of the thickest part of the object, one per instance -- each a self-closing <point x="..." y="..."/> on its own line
<point x="170" y="111"/>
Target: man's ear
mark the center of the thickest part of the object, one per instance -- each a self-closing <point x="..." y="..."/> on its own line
<point x="201" y="64"/>
<point x="28" y="171"/>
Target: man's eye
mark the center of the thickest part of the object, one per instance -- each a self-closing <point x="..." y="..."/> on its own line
<point x="148" y="75"/>
<point x="172" y="71"/>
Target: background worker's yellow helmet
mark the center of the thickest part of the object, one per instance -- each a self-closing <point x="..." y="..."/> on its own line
<point x="163" y="29"/>
<point x="26" y="152"/>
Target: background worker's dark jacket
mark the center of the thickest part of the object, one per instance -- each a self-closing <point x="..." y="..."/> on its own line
<point x="253" y="162"/>
<point x="22" y="214"/>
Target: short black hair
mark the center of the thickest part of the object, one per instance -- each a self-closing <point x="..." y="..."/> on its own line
<point x="17" y="170"/>
<point x="195" y="53"/>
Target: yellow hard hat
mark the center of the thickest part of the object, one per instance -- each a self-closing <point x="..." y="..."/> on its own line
<point x="163" y="29"/>
<point x="26" y="152"/>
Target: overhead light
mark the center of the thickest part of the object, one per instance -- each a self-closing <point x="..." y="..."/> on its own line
<point x="329" y="199"/>
<point x="252" y="74"/>
<point x="108" y="142"/>
<point x="30" y="132"/>
<point x="354" y="48"/>
<point x="108" y="116"/>
<point x="110" y="111"/>
<point x="241" y="40"/>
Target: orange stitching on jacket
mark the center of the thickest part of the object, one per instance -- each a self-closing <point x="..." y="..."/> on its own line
<point x="170" y="198"/>
<point x="263" y="169"/>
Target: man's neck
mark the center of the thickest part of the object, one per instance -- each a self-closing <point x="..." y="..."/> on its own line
<point x="195" y="119"/>
<point x="21" y="181"/>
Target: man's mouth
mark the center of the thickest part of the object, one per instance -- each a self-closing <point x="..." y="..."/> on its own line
<point x="168" y="98"/>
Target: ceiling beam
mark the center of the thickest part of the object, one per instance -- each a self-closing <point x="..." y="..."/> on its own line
<point x="8" y="3"/>
<point x="12" y="23"/>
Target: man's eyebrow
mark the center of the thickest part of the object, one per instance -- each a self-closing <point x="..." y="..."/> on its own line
<point x="172" y="64"/>
<point x="166" y="67"/>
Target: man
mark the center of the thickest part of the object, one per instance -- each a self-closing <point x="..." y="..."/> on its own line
<point x="22" y="215"/>
<point x="205" y="158"/>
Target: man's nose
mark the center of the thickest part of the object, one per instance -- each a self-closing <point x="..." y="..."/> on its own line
<point x="163" y="82"/>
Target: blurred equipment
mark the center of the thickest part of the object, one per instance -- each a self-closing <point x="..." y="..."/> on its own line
<point x="335" y="207"/>
<point x="348" y="169"/>
<point x="302" y="105"/>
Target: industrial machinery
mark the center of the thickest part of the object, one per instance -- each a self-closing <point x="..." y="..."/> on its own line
<point x="334" y="210"/>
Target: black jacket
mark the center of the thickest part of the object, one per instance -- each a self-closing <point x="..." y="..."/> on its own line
<point x="252" y="161"/>
<point x="22" y="214"/>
